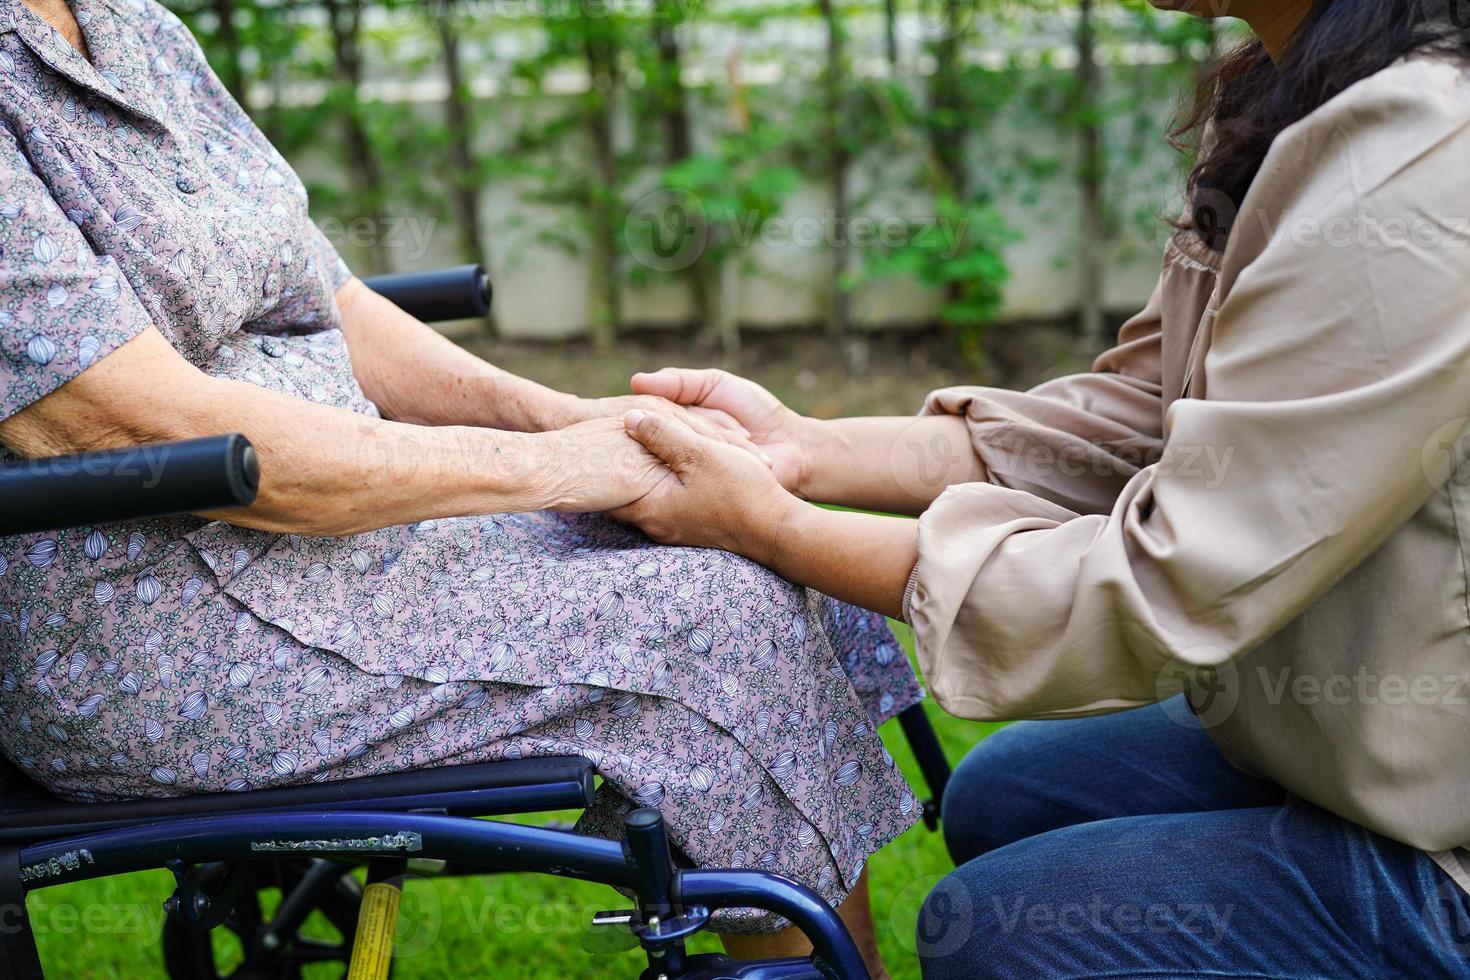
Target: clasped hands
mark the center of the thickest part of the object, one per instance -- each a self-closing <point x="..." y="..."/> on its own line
<point x="697" y="457"/>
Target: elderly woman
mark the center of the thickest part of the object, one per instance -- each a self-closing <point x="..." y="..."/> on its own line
<point x="160" y="279"/>
<point x="1259" y="495"/>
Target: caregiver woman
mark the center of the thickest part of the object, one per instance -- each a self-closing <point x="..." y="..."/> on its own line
<point x="1252" y="496"/>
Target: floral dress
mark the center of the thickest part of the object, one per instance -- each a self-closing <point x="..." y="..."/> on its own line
<point x="182" y="656"/>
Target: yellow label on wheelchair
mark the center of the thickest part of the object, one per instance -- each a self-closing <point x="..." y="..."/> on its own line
<point x="372" y="950"/>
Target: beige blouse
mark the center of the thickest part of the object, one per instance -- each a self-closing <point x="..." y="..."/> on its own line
<point x="1258" y="495"/>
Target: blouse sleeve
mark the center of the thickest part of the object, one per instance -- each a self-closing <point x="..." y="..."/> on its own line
<point x="1075" y="441"/>
<point x="62" y="307"/>
<point x="1336" y="382"/>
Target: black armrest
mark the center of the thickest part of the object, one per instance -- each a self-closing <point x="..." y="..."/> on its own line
<point x="460" y="293"/>
<point x="128" y="484"/>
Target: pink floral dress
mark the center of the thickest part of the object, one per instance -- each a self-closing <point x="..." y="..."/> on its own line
<point x="184" y="656"/>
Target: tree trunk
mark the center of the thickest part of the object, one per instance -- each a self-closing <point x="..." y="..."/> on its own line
<point x="228" y="65"/>
<point x="464" y="179"/>
<point x="947" y="117"/>
<point x="726" y="309"/>
<point x="1092" y="249"/>
<point x="345" y="17"/>
<point x="602" y="72"/>
<point x="838" y="318"/>
<point x="673" y="108"/>
<point x="890" y="35"/>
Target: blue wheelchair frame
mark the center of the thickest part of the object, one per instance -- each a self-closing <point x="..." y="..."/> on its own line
<point x="48" y="842"/>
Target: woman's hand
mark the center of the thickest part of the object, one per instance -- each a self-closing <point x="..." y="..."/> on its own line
<point x="711" y="495"/>
<point x="598" y="467"/>
<point x="777" y="430"/>
<point x="714" y="496"/>
<point x="895" y="465"/>
<point x="708" y="422"/>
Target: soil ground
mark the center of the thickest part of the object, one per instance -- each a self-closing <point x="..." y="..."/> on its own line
<point x="814" y="374"/>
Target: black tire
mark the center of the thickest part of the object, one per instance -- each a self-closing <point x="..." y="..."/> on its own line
<point x="189" y="954"/>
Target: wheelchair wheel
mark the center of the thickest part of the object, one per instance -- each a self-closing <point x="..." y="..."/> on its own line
<point x="265" y="951"/>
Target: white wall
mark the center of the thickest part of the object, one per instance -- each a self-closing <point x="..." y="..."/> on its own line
<point x="542" y="291"/>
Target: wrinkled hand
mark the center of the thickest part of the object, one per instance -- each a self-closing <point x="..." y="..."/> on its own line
<point x="776" y="429"/>
<point x="708" y="422"/>
<point x="596" y="466"/>
<point x="711" y="494"/>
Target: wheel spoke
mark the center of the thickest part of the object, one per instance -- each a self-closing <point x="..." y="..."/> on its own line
<point x="307" y="887"/>
<point x="309" y="893"/>
<point x="308" y="950"/>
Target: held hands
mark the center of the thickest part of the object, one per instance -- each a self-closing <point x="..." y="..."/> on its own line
<point x="707" y="421"/>
<point x="711" y="495"/>
<point x="778" y="431"/>
<point x="594" y="466"/>
<point x="695" y="457"/>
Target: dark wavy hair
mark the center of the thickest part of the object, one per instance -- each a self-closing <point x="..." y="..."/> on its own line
<point x="1247" y="100"/>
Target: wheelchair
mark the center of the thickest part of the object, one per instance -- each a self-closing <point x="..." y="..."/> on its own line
<point x="310" y="841"/>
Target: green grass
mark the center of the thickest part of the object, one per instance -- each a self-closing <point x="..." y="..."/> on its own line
<point x="505" y="927"/>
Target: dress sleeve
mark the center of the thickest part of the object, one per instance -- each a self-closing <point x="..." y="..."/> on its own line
<point x="1336" y="388"/>
<point x="1075" y="441"/>
<point x="62" y="306"/>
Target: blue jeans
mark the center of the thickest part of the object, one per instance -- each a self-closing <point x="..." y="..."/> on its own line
<point x="1126" y="846"/>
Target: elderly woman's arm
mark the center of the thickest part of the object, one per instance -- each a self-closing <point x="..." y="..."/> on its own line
<point x="328" y="471"/>
<point x="414" y="374"/>
<point x="84" y="366"/>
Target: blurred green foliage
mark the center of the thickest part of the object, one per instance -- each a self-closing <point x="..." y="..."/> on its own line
<point x="580" y="108"/>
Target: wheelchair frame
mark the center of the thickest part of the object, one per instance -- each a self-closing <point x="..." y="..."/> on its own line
<point x="673" y="903"/>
